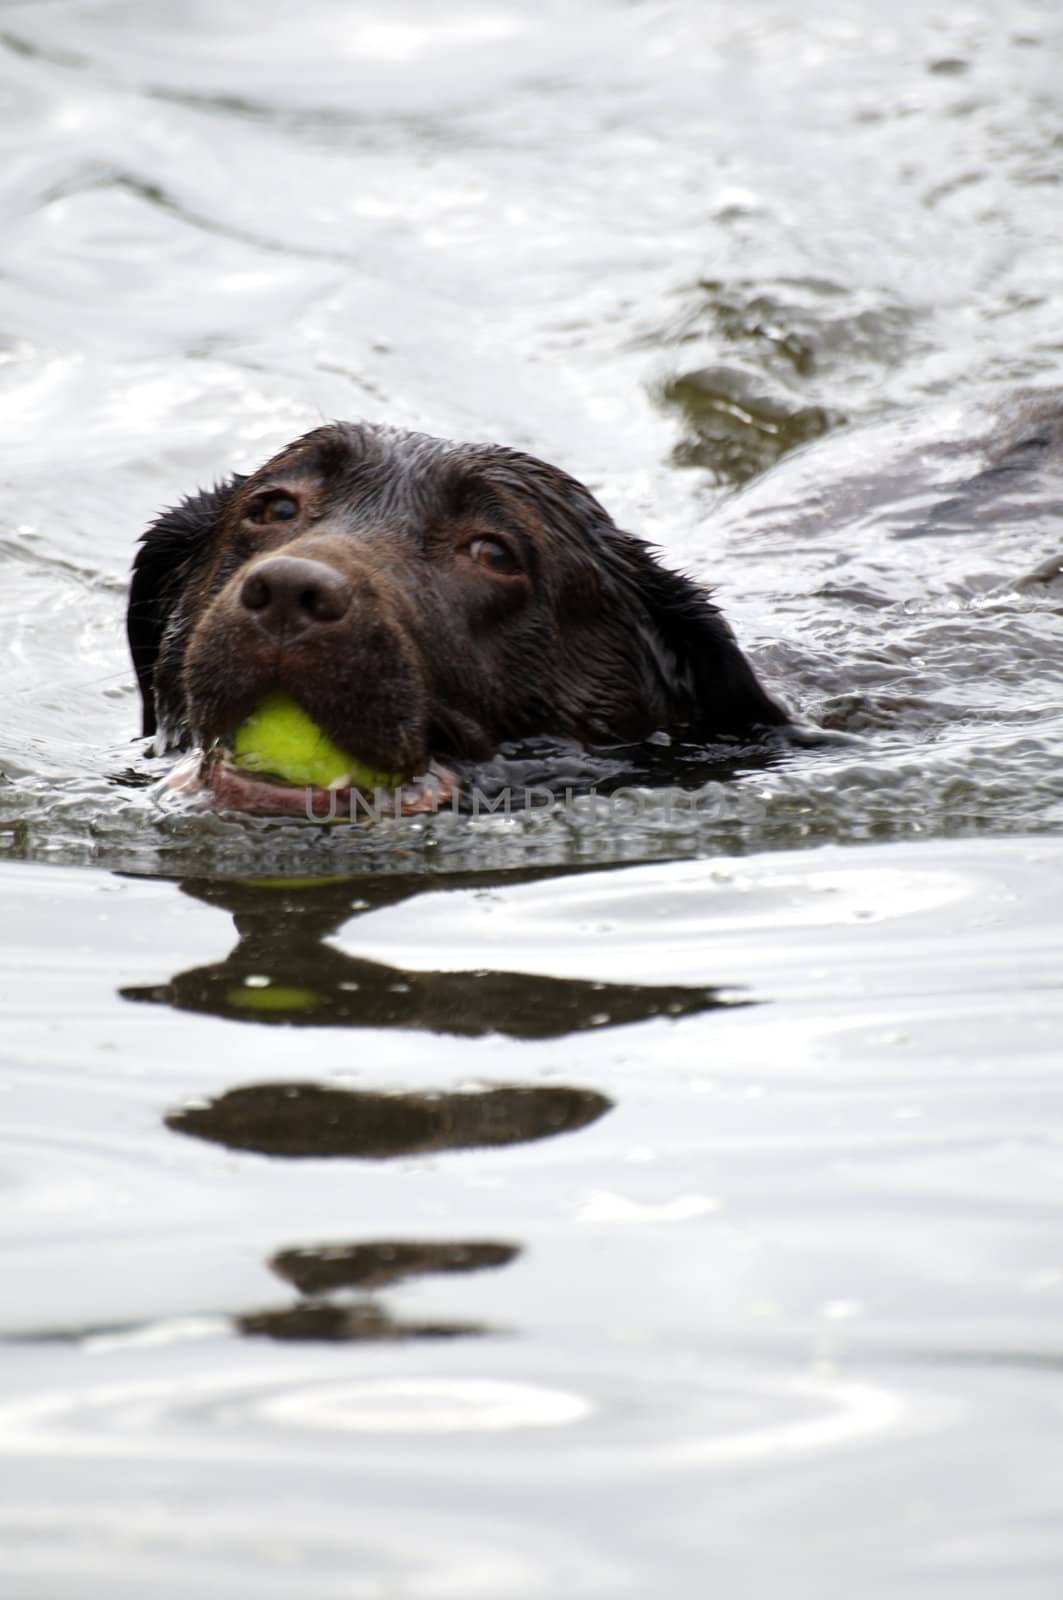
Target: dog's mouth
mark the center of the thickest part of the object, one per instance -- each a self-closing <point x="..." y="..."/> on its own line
<point x="232" y="786"/>
<point x="269" y="751"/>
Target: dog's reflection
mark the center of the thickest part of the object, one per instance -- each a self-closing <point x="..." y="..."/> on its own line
<point x="325" y="1275"/>
<point x="309" y="1119"/>
<point x="284" y="970"/>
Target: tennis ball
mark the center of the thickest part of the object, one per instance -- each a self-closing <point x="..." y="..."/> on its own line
<point x="281" y="739"/>
<point x="275" y="997"/>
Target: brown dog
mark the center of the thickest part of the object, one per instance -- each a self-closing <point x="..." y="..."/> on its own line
<point x="424" y="602"/>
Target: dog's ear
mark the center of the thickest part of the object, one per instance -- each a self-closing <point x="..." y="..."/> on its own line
<point x="707" y="669"/>
<point x="170" y="551"/>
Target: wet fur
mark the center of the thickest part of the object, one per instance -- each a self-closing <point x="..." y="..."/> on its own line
<point x="595" y="641"/>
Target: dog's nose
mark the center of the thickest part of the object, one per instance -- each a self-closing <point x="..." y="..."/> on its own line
<point x="290" y="595"/>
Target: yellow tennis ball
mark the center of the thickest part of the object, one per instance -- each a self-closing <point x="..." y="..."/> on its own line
<point x="280" y="738"/>
<point x="275" y="997"/>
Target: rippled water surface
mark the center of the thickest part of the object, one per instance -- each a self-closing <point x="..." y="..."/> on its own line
<point x="598" y="1201"/>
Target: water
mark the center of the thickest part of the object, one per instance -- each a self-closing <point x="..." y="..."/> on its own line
<point x="578" y="1201"/>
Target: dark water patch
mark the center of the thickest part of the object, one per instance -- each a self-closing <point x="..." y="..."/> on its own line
<point x="156" y="196"/>
<point x="315" y="1270"/>
<point x="758" y="365"/>
<point x="318" y="1273"/>
<point x="797" y="329"/>
<point x="736" y="428"/>
<point x="306" y="1119"/>
<point x="1049" y="571"/>
<point x="25" y="47"/>
<point x="312" y="1321"/>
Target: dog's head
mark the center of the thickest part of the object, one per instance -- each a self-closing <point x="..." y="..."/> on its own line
<point x="422" y="599"/>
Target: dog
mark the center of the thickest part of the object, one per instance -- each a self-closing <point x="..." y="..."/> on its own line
<point x="425" y="602"/>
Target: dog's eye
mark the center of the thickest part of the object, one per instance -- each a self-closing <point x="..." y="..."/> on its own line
<point x="494" y="556"/>
<point x="273" y="507"/>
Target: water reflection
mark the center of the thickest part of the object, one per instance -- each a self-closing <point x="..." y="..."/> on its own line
<point x="319" y="1269"/>
<point x="308" y="1119"/>
<point x="321" y="1272"/>
<point x="291" y="1119"/>
<point x="284" y="970"/>
<point x="312" y="1321"/>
